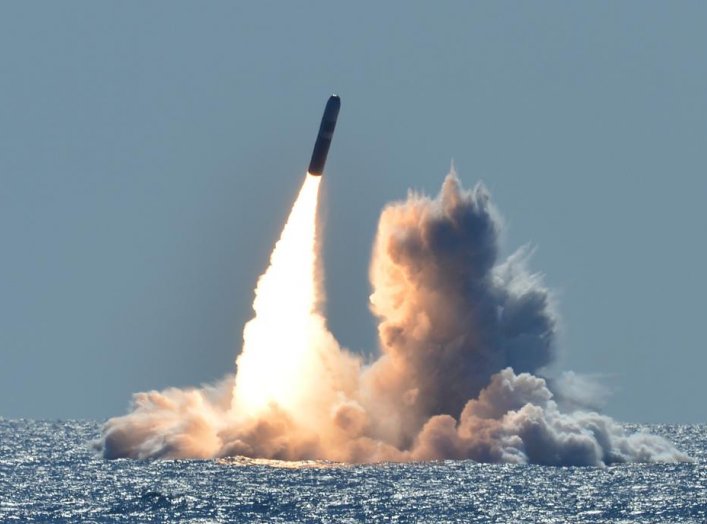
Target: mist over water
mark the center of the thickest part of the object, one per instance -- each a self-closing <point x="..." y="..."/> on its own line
<point x="464" y="338"/>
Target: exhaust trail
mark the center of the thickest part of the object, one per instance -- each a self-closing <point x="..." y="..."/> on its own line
<point x="278" y="340"/>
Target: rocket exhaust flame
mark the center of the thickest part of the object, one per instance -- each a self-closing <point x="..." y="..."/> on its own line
<point x="276" y="342"/>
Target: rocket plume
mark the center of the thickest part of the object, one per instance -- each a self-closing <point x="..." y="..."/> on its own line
<point x="464" y="339"/>
<point x="290" y="361"/>
<point x="277" y="341"/>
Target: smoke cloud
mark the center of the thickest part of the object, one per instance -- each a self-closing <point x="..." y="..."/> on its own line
<point x="464" y="339"/>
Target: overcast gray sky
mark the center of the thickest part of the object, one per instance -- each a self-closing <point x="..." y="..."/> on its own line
<point x="149" y="153"/>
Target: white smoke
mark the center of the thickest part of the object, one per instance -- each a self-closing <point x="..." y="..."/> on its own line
<point x="463" y="340"/>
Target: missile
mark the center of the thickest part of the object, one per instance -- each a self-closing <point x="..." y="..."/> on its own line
<point x="326" y="132"/>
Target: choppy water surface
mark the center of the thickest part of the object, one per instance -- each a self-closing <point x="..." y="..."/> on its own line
<point x="49" y="473"/>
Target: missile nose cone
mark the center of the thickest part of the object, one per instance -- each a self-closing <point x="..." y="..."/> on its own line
<point x="334" y="100"/>
<point x="326" y="132"/>
<point x="331" y="111"/>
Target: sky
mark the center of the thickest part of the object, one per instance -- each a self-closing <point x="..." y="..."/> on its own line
<point x="150" y="152"/>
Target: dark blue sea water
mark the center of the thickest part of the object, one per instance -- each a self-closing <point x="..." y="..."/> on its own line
<point x="50" y="473"/>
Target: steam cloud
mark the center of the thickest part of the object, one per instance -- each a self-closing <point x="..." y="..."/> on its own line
<point x="463" y="340"/>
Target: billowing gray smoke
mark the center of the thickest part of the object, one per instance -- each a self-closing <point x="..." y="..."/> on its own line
<point x="463" y="340"/>
<point x="450" y="316"/>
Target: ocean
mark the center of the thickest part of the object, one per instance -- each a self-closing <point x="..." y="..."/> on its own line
<point x="50" y="472"/>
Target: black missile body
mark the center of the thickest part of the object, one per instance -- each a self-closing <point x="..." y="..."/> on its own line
<point x="326" y="132"/>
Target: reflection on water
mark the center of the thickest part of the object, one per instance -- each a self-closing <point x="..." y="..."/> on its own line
<point x="287" y="464"/>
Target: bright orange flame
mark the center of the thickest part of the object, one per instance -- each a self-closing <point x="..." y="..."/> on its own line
<point x="277" y="341"/>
